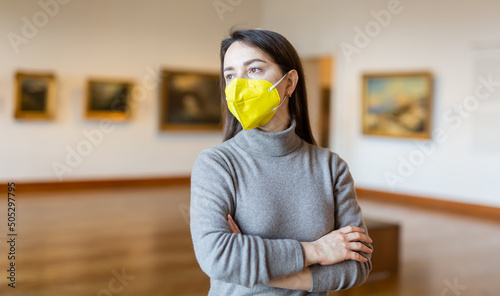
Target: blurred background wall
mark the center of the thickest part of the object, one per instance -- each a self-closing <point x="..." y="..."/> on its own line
<point x="107" y="39"/>
<point x="454" y="40"/>
<point x="133" y="39"/>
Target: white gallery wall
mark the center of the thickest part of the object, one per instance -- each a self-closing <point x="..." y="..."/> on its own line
<point x="458" y="41"/>
<point x="77" y="40"/>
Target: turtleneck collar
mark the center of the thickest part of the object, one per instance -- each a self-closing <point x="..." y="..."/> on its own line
<point x="269" y="143"/>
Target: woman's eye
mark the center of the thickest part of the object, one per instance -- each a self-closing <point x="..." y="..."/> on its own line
<point x="229" y="76"/>
<point x="254" y="70"/>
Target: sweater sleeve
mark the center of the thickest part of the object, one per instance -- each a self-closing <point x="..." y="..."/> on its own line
<point x="234" y="258"/>
<point x="350" y="273"/>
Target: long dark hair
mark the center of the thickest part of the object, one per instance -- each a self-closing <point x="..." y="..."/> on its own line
<point x="281" y="51"/>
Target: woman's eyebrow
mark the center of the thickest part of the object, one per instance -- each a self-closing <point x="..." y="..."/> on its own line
<point x="252" y="61"/>
<point x="245" y="64"/>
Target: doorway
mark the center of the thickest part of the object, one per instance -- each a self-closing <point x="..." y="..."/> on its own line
<point x="319" y="81"/>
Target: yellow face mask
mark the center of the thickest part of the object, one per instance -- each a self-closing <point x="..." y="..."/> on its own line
<point x="253" y="101"/>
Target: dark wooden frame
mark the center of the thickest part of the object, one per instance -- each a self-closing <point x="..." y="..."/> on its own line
<point x="48" y="109"/>
<point x="110" y="114"/>
<point x="200" y="81"/>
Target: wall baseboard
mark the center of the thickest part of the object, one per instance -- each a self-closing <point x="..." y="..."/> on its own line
<point x="97" y="184"/>
<point x="473" y="210"/>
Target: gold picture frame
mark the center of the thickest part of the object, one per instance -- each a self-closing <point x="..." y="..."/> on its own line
<point x="108" y="99"/>
<point x="398" y="104"/>
<point x="34" y="96"/>
<point x="190" y="101"/>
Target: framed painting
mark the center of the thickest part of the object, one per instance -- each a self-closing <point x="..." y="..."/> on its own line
<point x="397" y="104"/>
<point x="190" y="101"/>
<point x="109" y="99"/>
<point x="34" y="95"/>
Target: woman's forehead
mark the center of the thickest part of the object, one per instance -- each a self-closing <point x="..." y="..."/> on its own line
<point x="239" y="53"/>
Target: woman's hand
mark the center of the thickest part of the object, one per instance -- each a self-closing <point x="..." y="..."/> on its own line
<point x="337" y="246"/>
<point x="232" y="225"/>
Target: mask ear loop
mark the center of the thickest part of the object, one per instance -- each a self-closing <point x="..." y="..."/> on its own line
<point x="286" y="97"/>
<point x="274" y="86"/>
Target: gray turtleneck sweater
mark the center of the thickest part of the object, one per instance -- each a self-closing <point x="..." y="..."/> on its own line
<point x="280" y="190"/>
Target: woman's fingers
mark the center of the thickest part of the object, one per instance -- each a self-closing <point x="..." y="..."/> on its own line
<point x="357" y="246"/>
<point x="232" y="225"/>
<point x="360" y="237"/>
<point x="349" y="229"/>
<point x="230" y="221"/>
<point x="357" y="257"/>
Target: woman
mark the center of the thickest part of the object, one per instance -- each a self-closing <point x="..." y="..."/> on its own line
<point x="272" y="213"/>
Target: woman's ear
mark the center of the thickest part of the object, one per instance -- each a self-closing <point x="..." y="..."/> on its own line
<point x="291" y="82"/>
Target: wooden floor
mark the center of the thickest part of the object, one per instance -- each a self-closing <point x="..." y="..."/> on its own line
<point x="136" y="242"/>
